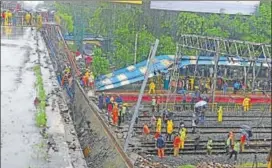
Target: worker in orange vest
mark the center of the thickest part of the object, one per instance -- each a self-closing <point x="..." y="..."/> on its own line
<point x="146" y="132"/>
<point x="176" y="143"/>
<point x="115" y="114"/>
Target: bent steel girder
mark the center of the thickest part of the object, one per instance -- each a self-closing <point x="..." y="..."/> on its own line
<point x="227" y="47"/>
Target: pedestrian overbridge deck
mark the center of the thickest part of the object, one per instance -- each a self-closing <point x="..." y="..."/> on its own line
<point x="135" y="73"/>
<point x="20" y="25"/>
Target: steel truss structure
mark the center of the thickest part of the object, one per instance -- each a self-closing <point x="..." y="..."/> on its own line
<point x="174" y="75"/>
<point x="226" y="47"/>
<point x="216" y="47"/>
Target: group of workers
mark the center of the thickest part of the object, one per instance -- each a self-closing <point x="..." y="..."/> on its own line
<point x="7" y="17"/>
<point x="10" y="18"/>
<point x="115" y="107"/>
<point x="232" y="147"/>
<point x="87" y="79"/>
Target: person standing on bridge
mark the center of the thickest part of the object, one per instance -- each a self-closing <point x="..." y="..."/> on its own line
<point x="9" y="17"/>
<point x="39" y="21"/>
<point x="160" y="146"/>
<point x="220" y="115"/>
<point x="3" y="17"/>
<point x="176" y="143"/>
<point x="246" y="104"/>
<point x="152" y="87"/>
<point x="27" y="18"/>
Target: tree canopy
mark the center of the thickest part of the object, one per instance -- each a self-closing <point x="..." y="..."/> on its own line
<point x="119" y="23"/>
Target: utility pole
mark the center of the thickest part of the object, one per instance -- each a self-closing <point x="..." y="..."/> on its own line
<point x="135" y="115"/>
<point x="135" y="49"/>
<point x="215" y="72"/>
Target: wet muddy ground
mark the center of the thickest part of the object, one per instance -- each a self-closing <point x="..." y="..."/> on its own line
<point x="22" y="144"/>
<point x="19" y="135"/>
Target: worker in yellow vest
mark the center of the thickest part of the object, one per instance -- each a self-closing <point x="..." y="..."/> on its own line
<point x="192" y="83"/>
<point x="39" y="21"/>
<point x="27" y="18"/>
<point x="9" y="17"/>
<point x="159" y="125"/>
<point x="246" y="103"/>
<point x="152" y="87"/>
<point x="183" y="137"/>
<point x="220" y="114"/>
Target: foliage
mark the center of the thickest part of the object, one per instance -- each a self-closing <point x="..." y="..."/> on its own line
<point x="41" y="115"/>
<point x="100" y="64"/>
<point x="64" y="13"/>
<point x="187" y="166"/>
<point x="167" y="46"/>
<point x="72" y="47"/>
<point x="120" y="23"/>
<point x="249" y="164"/>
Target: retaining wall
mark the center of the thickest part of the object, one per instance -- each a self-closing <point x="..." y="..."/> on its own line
<point x="103" y="151"/>
<point x="91" y="130"/>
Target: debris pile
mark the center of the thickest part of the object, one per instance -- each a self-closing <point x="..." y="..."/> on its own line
<point x="148" y="163"/>
<point x="213" y="165"/>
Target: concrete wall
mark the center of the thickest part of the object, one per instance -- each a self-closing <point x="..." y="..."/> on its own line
<point x="103" y="152"/>
<point x="90" y="129"/>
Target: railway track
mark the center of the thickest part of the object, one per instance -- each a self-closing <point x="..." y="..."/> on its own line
<point x="218" y="147"/>
<point x="208" y="132"/>
<point x="201" y="152"/>
<point x="176" y="117"/>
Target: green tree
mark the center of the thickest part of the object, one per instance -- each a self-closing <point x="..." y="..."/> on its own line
<point x="167" y="46"/>
<point x="100" y="65"/>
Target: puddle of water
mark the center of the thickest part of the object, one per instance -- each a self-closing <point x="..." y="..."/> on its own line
<point x="18" y="131"/>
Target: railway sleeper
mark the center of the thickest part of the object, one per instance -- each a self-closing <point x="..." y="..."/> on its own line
<point x="208" y="132"/>
<point x="203" y="152"/>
